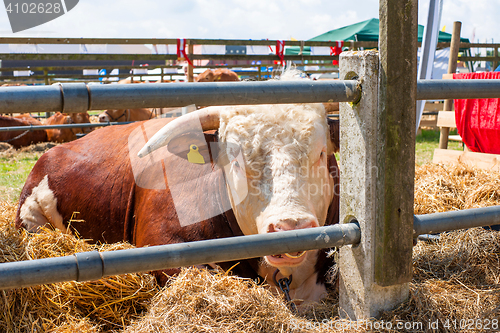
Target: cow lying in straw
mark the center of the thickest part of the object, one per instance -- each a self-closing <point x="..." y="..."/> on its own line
<point x="269" y="168"/>
<point x="21" y="138"/>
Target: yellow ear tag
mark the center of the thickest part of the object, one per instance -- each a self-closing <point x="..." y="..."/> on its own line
<point x="194" y="155"/>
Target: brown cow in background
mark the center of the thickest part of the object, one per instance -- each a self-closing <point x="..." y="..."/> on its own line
<point x="67" y="134"/>
<point x="126" y="115"/>
<point x="218" y="74"/>
<point x="24" y="138"/>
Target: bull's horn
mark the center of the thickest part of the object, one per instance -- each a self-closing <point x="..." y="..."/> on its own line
<point x="207" y="117"/>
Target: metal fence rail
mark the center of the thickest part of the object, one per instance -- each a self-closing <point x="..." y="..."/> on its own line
<point x="44" y="127"/>
<point x="86" y="266"/>
<point x="457" y="89"/>
<point x="79" y="97"/>
<point x="460" y="219"/>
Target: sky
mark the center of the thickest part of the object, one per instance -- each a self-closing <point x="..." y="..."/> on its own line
<point x="244" y="19"/>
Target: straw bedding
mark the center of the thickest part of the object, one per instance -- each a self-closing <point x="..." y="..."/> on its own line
<point x="109" y="303"/>
<point x="455" y="280"/>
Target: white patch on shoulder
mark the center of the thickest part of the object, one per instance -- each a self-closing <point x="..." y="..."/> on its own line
<point x="40" y="208"/>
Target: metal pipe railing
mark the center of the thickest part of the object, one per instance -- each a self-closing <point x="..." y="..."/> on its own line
<point x="79" y="97"/>
<point x="460" y="219"/>
<point x="457" y="89"/>
<point x="44" y="127"/>
<point x="86" y="266"/>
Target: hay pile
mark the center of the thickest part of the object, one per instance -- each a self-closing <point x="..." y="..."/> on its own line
<point x="441" y="188"/>
<point x="8" y="151"/>
<point x="200" y="301"/>
<point x="110" y="303"/>
<point x="459" y="276"/>
<point x="455" y="279"/>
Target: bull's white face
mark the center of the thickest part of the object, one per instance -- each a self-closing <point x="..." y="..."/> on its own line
<point x="281" y="180"/>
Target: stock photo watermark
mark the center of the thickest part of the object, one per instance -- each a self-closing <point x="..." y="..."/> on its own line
<point x="190" y="167"/>
<point x="27" y="14"/>
<point x="398" y="325"/>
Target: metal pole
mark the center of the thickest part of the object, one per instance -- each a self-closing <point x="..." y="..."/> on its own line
<point x="88" y="266"/>
<point x="44" y="127"/>
<point x="458" y="89"/>
<point x="460" y="219"/>
<point x="79" y="97"/>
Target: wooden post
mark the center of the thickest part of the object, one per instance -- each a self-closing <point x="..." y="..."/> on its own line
<point x="46" y="77"/>
<point x="190" y="67"/>
<point x="46" y="81"/>
<point x="396" y="142"/>
<point x="495" y="54"/>
<point x="452" y="68"/>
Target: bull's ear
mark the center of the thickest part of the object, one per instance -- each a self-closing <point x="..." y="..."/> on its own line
<point x="194" y="148"/>
<point x="334" y="140"/>
<point x="191" y="147"/>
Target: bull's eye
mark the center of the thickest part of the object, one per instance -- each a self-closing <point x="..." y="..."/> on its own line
<point x="236" y="164"/>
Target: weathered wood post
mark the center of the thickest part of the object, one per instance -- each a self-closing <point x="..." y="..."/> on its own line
<point x="190" y="67"/>
<point x="377" y="160"/>
<point x="495" y="55"/>
<point x="452" y="68"/>
<point x="47" y="82"/>
<point x="46" y="77"/>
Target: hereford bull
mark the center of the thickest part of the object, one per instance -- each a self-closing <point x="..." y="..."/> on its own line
<point x="286" y="164"/>
<point x="67" y="134"/>
<point x="24" y="138"/>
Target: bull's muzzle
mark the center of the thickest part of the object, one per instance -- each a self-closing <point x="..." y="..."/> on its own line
<point x="298" y="255"/>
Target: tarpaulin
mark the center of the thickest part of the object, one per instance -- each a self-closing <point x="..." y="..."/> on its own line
<point x="478" y="120"/>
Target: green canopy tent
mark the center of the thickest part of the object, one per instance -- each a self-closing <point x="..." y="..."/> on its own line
<point x="362" y="31"/>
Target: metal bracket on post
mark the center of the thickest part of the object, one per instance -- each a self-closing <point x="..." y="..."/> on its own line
<point x="75" y="97"/>
<point x="89" y="266"/>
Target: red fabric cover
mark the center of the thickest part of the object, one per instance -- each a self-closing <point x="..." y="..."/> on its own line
<point x="478" y="120"/>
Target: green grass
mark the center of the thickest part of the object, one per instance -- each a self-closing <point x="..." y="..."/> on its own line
<point x="14" y="169"/>
<point x="427" y="141"/>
